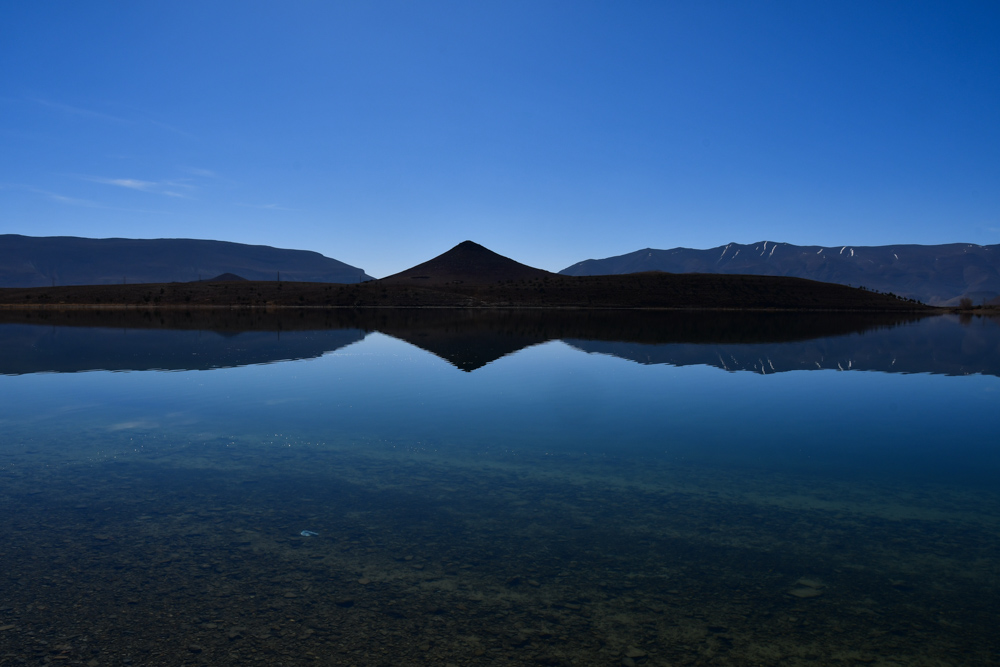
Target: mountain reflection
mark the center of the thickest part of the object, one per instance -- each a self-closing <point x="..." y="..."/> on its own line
<point x="72" y="341"/>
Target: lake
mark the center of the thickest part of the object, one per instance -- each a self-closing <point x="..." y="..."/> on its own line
<point x="498" y="488"/>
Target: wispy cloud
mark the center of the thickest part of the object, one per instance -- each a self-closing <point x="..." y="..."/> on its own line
<point x="183" y="187"/>
<point x="54" y="196"/>
<point x="70" y="201"/>
<point x="63" y="199"/>
<point x="86" y="113"/>
<point x="206" y="176"/>
<point x="131" y="183"/>
<point x="167" y="188"/>
<point x="106" y="117"/>
<point x="169" y="128"/>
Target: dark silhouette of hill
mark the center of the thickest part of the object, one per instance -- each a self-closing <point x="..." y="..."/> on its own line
<point x="246" y="294"/>
<point x="224" y="321"/>
<point x="933" y="274"/>
<point x="673" y="290"/>
<point x="638" y="290"/>
<point x="466" y="263"/>
<point x="27" y="261"/>
<point x="224" y="278"/>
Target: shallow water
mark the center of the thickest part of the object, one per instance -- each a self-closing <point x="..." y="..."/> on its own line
<point x="499" y="489"/>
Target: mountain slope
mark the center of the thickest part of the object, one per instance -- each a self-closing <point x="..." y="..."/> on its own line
<point x="468" y="263"/>
<point x="936" y="275"/>
<point x="27" y="261"/>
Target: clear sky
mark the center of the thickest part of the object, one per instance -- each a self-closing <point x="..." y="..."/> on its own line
<point x="383" y="133"/>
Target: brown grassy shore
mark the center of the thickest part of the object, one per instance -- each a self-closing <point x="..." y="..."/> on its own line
<point x="640" y="290"/>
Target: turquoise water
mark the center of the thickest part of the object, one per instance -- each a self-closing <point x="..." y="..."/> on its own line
<point x="501" y="491"/>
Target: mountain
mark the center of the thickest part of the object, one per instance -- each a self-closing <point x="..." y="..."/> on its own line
<point x="492" y="280"/>
<point x="468" y="263"/>
<point x="938" y="275"/>
<point x="27" y="261"/>
<point x="470" y="276"/>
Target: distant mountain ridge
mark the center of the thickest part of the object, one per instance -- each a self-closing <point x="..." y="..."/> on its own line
<point x="30" y="261"/>
<point x="470" y="275"/>
<point x="937" y="275"/>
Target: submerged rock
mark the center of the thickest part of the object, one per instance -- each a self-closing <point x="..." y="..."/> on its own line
<point x="805" y="592"/>
<point x="807" y="587"/>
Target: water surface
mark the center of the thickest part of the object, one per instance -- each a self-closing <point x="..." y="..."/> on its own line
<point x="499" y="488"/>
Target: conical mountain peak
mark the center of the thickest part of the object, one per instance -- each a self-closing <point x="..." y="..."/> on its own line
<point x="468" y="262"/>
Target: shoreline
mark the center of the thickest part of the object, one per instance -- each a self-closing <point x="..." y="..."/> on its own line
<point x="626" y="292"/>
<point x="929" y="310"/>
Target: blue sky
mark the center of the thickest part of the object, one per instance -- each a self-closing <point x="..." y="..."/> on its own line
<point x="383" y="133"/>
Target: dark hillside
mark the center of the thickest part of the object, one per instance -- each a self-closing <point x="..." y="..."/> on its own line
<point x="466" y="263"/>
<point x="639" y="290"/>
<point x="681" y="290"/>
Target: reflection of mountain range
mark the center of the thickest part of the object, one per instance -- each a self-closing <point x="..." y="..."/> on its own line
<point x="935" y="345"/>
<point x="51" y="341"/>
<point x="471" y="339"/>
<point x="40" y="349"/>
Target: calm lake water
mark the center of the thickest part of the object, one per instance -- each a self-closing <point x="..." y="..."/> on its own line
<point x="498" y="489"/>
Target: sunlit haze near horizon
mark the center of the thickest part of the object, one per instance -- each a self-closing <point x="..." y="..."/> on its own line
<point x="383" y="133"/>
